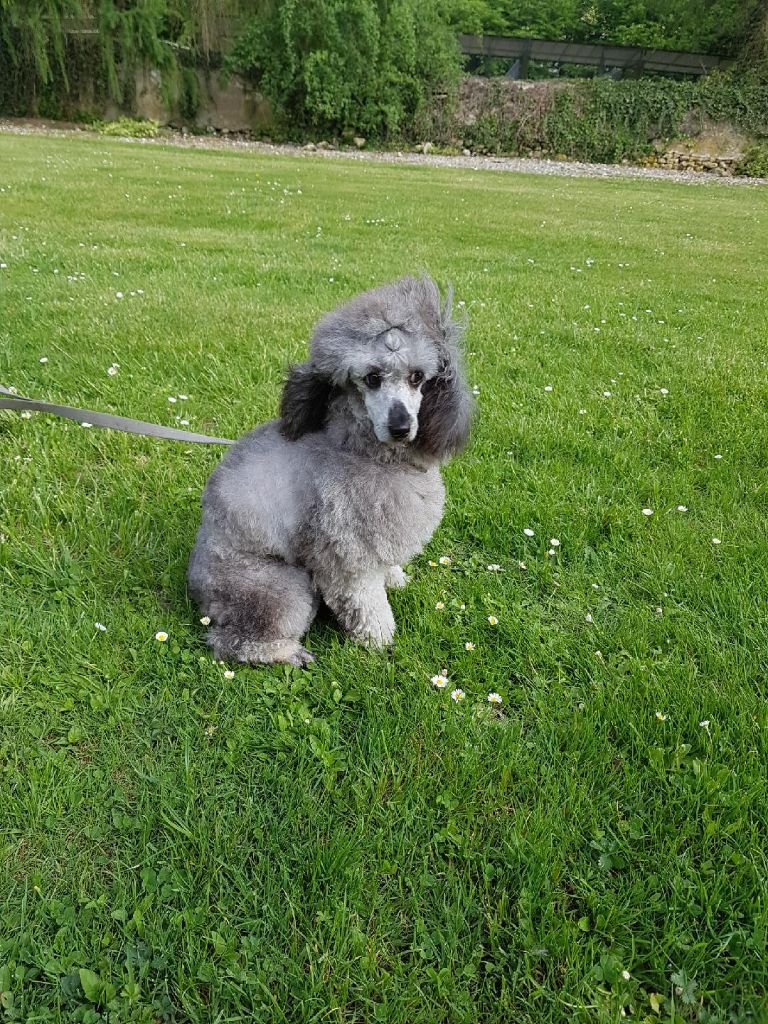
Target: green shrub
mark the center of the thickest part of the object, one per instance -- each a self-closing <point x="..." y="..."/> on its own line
<point x="298" y="53"/>
<point x="754" y="163"/>
<point x="130" y="127"/>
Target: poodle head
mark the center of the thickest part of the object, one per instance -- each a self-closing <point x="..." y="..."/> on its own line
<point x="393" y="353"/>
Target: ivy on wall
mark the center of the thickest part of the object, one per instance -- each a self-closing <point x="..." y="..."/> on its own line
<point x="606" y="121"/>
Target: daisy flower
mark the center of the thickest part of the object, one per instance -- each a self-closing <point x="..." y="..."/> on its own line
<point x="661" y="716"/>
<point x="205" y="621"/>
<point x="440" y="681"/>
<point x="457" y="695"/>
<point x="494" y="698"/>
<point x="647" y="511"/>
<point x="493" y="620"/>
<point x="682" y="508"/>
<point x="528" y="531"/>
<point x="469" y="646"/>
<point x="440" y="605"/>
<point x="100" y="626"/>
<point x="444" y="560"/>
<point x="229" y="674"/>
<point x="161" y="636"/>
<point x="554" y="542"/>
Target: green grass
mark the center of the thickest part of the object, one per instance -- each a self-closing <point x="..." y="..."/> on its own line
<point x="348" y="844"/>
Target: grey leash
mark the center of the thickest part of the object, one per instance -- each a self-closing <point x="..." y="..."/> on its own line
<point x="103" y="419"/>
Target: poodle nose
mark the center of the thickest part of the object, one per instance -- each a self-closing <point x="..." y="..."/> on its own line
<point x="398" y="421"/>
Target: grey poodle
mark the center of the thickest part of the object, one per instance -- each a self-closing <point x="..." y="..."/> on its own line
<point x="328" y="501"/>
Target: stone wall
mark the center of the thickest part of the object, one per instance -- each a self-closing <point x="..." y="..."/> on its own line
<point x="234" y="107"/>
<point x="708" y="147"/>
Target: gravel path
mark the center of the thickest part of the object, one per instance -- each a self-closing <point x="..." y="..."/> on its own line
<point x="520" y="165"/>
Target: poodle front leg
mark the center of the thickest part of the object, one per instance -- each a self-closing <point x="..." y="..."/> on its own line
<point x="360" y="604"/>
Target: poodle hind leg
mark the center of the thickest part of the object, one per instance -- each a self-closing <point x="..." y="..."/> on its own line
<point x="260" y="613"/>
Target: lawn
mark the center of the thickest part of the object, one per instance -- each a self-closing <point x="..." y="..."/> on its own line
<point x="348" y="844"/>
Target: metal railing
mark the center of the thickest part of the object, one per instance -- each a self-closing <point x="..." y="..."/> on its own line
<point x="624" y="58"/>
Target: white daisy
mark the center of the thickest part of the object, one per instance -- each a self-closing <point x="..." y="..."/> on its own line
<point x="494" y="698"/>
<point x="457" y="695"/>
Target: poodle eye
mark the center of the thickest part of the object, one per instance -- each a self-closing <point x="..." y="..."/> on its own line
<point x="416" y="378"/>
<point x="372" y="381"/>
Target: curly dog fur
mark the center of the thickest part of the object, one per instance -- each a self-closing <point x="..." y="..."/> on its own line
<point x="328" y="501"/>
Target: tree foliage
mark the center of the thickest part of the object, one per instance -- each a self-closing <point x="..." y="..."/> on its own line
<point x="710" y="26"/>
<point x="381" y="68"/>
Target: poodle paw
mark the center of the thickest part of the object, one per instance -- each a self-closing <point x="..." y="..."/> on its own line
<point x="375" y="631"/>
<point x="229" y="646"/>
<point x="301" y="658"/>
<point x="396" y="579"/>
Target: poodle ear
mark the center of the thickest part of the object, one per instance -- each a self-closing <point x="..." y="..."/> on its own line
<point x="446" y="406"/>
<point x="304" y="404"/>
<point x="446" y="411"/>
